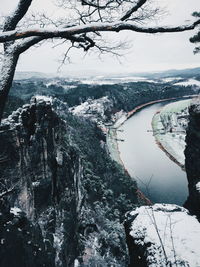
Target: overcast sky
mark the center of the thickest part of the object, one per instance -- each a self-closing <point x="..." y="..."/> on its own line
<point x="147" y="52"/>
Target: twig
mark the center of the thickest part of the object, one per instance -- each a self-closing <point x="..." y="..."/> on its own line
<point x="153" y="220"/>
<point x="171" y="235"/>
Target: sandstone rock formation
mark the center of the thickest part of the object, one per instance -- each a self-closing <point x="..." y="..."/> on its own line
<point x="62" y="198"/>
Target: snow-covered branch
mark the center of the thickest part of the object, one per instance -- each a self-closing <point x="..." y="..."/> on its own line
<point x="82" y="29"/>
<point x="27" y="43"/>
<point x="91" y="27"/>
<point x="7" y="192"/>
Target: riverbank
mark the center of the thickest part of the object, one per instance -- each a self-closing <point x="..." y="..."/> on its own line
<point x="115" y="137"/>
<point x="112" y="139"/>
<point x="169" y="128"/>
<point x="112" y="144"/>
<point x="157" y="176"/>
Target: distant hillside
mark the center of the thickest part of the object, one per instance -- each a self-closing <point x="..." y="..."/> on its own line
<point x="23" y="75"/>
<point x="184" y="73"/>
<point x="172" y="73"/>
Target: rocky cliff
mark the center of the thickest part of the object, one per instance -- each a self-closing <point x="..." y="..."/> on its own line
<point x="44" y="176"/>
<point x="62" y="199"/>
<point x="192" y="158"/>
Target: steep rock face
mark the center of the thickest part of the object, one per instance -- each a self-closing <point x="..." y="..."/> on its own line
<point x="62" y="198"/>
<point x="43" y="174"/>
<point x="162" y="235"/>
<point x="192" y="158"/>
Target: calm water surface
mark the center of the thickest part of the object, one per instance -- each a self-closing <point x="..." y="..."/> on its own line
<point x="158" y="177"/>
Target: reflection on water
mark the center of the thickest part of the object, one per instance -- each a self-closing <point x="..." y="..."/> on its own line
<point x="158" y="177"/>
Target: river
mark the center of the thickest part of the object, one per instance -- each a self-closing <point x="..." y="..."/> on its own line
<point x="159" y="178"/>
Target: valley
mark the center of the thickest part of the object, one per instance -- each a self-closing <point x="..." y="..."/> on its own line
<point x="66" y="180"/>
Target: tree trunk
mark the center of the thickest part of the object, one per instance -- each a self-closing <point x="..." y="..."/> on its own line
<point x="6" y="77"/>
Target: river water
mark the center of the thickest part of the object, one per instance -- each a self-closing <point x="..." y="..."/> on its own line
<point x="159" y="178"/>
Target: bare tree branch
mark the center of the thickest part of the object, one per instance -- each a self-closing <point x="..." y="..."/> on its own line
<point x="133" y="9"/>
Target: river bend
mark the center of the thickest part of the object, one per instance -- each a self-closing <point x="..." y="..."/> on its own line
<point x="159" y="178"/>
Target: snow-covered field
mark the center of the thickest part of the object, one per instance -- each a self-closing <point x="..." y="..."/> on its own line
<point x="189" y="82"/>
<point x="115" y="80"/>
<point x="168" y="234"/>
<point x="169" y="126"/>
<point x="171" y="79"/>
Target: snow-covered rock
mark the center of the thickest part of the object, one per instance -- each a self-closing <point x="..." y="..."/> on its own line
<point x="163" y="235"/>
<point x="198" y="187"/>
<point x="15" y="211"/>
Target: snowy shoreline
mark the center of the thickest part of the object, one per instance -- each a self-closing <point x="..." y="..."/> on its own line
<point x="169" y="127"/>
<point x="112" y="138"/>
<point x="112" y="131"/>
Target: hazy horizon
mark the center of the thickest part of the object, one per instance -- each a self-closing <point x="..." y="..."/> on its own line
<point x="93" y="72"/>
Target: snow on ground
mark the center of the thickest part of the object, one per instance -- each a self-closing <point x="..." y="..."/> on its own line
<point x="168" y="234"/>
<point x="115" y="80"/>
<point x="176" y="106"/>
<point x="169" y="126"/>
<point x="132" y="79"/>
<point x="101" y="80"/>
<point x="16" y="211"/>
<point x="62" y="83"/>
<point x="44" y="98"/>
<point x="171" y="79"/>
<point x="97" y="82"/>
<point x="68" y="87"/>
<point x="189" y="82"/>
<point x="112" y="145"/>
<point x="90" y="106"/>
<point x="119" y="118"/>
<point x="198" y="187"/>
<point x="52" y="83"/>
<point x="76" y="263"/>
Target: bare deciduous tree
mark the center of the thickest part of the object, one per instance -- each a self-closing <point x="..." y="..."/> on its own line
<point x="82" y="27"/>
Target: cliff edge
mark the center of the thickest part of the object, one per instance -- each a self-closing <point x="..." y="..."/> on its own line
<point x="192" y="158"/>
